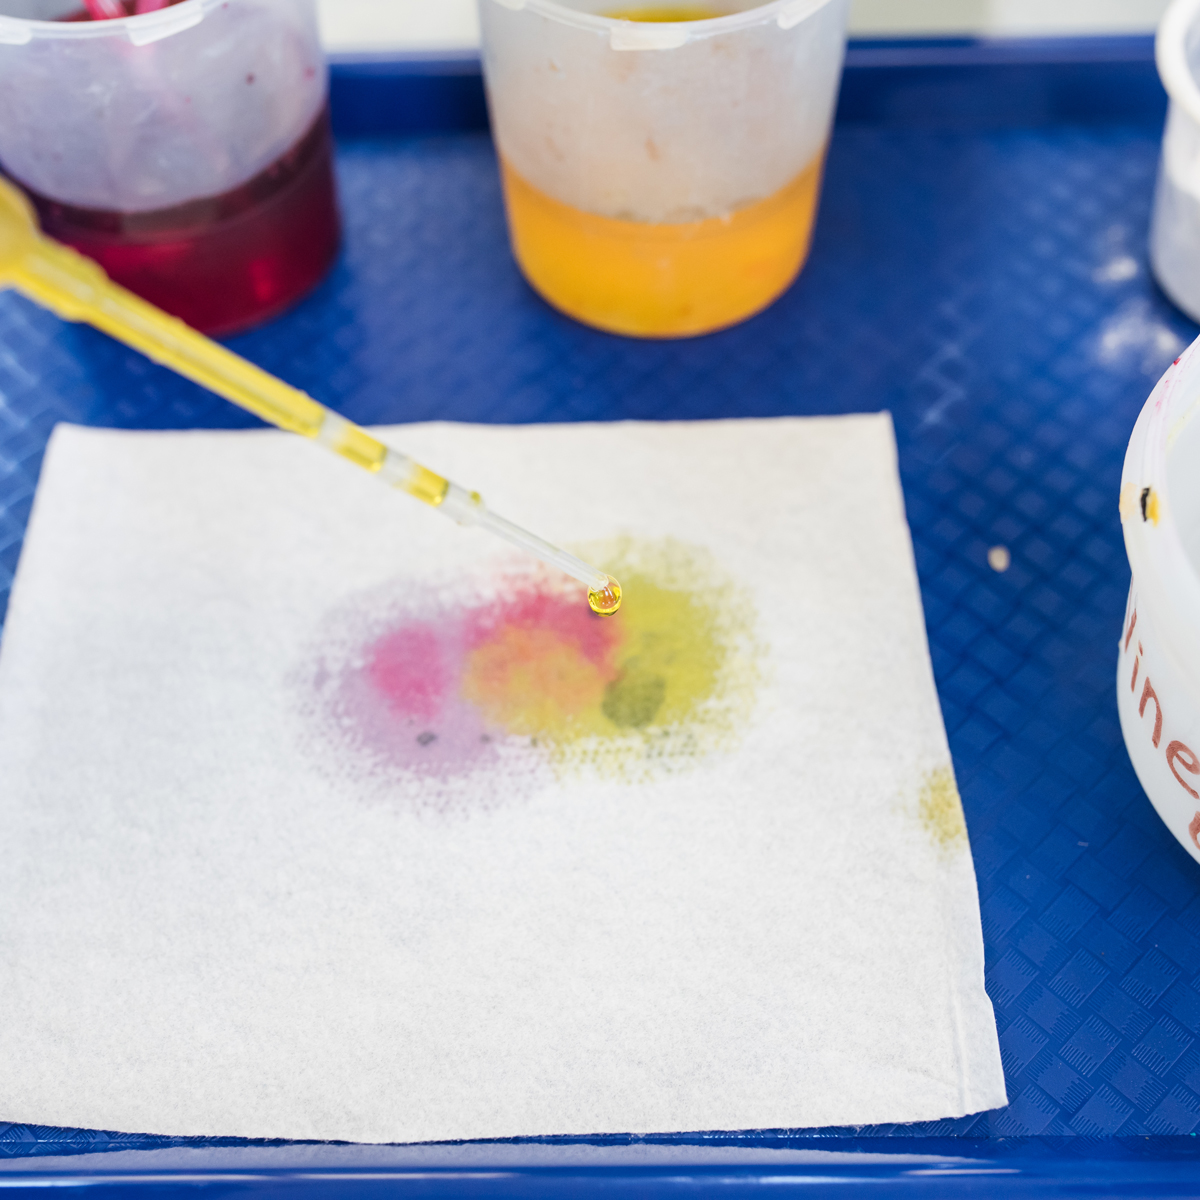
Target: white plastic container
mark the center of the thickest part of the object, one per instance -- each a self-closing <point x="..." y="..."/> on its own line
<point x="153" y="111"/>
<point x="1175" y="225"/>
<point x="187" y="150"/>
<point x="661" y="176"/>
<point x="1158" y="671"/>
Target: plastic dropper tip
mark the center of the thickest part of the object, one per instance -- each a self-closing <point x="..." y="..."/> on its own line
<point x="605" y="600"/>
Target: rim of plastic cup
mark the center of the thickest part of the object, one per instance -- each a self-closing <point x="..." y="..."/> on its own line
<point x="1170" y="55"/>
<point x="139" y="29"/>
<point x="1164" y="575"/>
<point x="667" y="35"/>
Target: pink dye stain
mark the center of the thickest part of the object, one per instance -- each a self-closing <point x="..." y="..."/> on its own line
<point x="410" y="668"/>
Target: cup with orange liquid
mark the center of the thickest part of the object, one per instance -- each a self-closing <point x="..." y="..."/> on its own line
<point x="183" y="144"/>
<point x="661" y="165"/>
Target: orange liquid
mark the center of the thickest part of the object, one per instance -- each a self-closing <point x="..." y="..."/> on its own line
<point x="664" y="12"/>
<point x="662" y="280"/>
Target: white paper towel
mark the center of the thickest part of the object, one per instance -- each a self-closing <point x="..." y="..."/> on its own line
<point x="238" y="902"/>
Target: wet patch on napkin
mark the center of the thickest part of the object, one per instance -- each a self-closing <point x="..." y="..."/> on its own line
<point x="503" y="680"/>
<point x="940" y="809"/>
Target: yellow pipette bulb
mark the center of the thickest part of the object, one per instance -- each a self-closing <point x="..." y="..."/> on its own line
<point x="75" y="288"/>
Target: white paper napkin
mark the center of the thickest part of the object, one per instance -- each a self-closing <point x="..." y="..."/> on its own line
<point x="707" y="871"/>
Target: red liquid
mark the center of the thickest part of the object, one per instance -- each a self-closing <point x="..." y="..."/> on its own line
<point x="221" y="263"/>
<point x="132" y="8"/>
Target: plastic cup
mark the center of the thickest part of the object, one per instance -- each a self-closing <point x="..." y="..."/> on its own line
<point x="1158" y="669"/>
<point x="187" y="150"/>
<point x="661" y="176"/>
<point x="1175" y="225"/>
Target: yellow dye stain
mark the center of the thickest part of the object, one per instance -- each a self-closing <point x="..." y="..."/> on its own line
<point x="1128" y="501"/>
<point x="670" y="658"/>
<point x="665" y="12"/>
<point x="674" y="681"/>
<point x="940" y="809"/>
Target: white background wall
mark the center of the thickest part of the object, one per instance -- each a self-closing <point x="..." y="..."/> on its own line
<point x="365" y="25"/>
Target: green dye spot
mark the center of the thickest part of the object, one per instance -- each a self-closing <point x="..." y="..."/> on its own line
<point x="633" y="699"/>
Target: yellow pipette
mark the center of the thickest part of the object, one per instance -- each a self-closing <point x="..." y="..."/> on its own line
<point x="75" y="288"/>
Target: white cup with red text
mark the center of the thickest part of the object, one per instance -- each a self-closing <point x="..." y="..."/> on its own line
<point x="1158" y="669"/>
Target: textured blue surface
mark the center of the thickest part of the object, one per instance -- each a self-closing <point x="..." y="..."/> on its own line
<point x="960" y="83"/>
<point x="991" y="290"/>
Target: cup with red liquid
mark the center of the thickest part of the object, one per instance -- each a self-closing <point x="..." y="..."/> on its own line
<point x="185" y="146"/>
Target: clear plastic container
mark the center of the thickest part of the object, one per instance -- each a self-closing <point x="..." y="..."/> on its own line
<point x="1175" y="225"/>
<point x="187" y="150"/>
<point x="1158" y="671"/>
<point x="661" y="175"/>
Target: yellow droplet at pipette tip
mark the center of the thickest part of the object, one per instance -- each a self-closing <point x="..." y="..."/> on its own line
<point x="604" y="592"/>
<point x="77" y="289"/>
<point x="605" y="600"/>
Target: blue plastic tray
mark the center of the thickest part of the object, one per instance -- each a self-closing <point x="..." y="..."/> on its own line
<point x="989" y="286"/>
